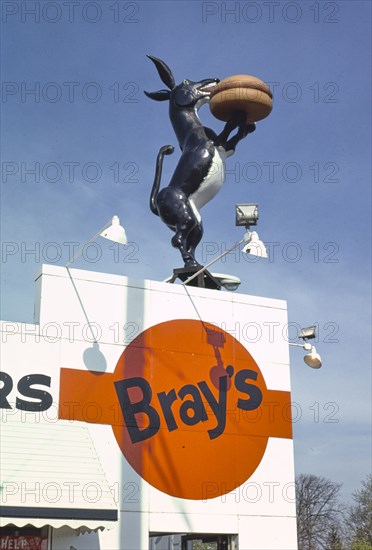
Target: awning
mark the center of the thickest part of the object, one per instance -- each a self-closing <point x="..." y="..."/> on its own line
<point x="51" y="475"/>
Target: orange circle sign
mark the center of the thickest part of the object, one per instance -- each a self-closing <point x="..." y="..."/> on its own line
<point x="194" y="412"/>
<point x="189" y="394"/>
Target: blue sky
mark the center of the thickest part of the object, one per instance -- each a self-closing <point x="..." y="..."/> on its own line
<point x="79" y="141"/>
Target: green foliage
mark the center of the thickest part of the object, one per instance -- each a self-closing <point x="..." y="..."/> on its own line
<point x="199" y="545"/>
<point x="359" y="520"/>
<point x="361" y="545"/>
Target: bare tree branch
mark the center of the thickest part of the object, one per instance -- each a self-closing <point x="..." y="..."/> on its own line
<point x="319" y="512"/>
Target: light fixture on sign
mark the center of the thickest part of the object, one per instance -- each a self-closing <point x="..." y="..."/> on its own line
<point x="229" y="282"/>
<point x="254" y="245"/>
<point x="312" y="359"/>
<point x="247" y="215"/>
<point x="112" y="231"/>
<point x="308" y="333"/>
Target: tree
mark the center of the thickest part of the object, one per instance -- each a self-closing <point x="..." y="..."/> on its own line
<point x="359" y="518"/>
<point x="333" y="541"/>
<point x="361" y="545"/>
<point x="318" y="512"/>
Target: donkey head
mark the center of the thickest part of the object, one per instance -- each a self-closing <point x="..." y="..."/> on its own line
<point x="188" y="94"/>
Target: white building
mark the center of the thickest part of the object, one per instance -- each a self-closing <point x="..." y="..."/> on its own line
<point x="137" y="414"/>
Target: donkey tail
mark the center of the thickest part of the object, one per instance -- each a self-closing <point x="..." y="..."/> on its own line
<point x="165" y="150"/>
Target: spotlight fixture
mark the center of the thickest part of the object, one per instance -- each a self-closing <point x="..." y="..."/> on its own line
<point x="312" y="359"/>
<point x="255" y="246"/>
<point x="112" y="231"/>
<point x="246" y="214"/>
<point x="307" y="333"/>
<point x="229" y="282"/>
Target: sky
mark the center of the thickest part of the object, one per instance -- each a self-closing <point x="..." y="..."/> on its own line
<point x="79" y="141"/>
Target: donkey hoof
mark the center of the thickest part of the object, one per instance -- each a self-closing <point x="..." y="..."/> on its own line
<point x="250" y="128"/>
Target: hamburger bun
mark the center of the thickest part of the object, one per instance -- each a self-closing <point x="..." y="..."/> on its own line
<point x="241" y="93"/>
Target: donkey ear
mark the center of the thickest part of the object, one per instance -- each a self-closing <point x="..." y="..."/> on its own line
<point x="161" y="95"/>
<point x="164" y="72"/>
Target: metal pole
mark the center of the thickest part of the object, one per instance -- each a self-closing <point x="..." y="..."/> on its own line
<point x="79" y="253"/>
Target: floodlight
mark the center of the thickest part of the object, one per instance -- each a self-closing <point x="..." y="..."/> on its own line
<point x="115" y="232"/>
<point x="229" y="282"/>
<point x="255" y="246"/>
<point x="246" y="214"/>
<point x="112" y="231"/>
<point x="313" y="359"/>
<point x="308" y="333"/>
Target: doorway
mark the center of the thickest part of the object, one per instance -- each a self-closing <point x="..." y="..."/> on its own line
<point x="199" y="541"/>
<point x="206" y="542"/>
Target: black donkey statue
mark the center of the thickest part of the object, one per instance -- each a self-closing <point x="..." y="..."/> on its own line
<point x="199" y="174"/>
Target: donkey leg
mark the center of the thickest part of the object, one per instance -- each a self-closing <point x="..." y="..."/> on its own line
<point x="177" y="212"/>
<point x="193" y="240"/>
<point x="196" y="233"/>
<point x="187" y="237"/>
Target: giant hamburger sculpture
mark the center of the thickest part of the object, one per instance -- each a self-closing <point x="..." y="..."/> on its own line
<point x="241" y="93"/>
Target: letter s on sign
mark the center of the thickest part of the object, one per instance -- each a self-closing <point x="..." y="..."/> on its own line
<point x="255" y="394"/>
<point x="25" y="388"/>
